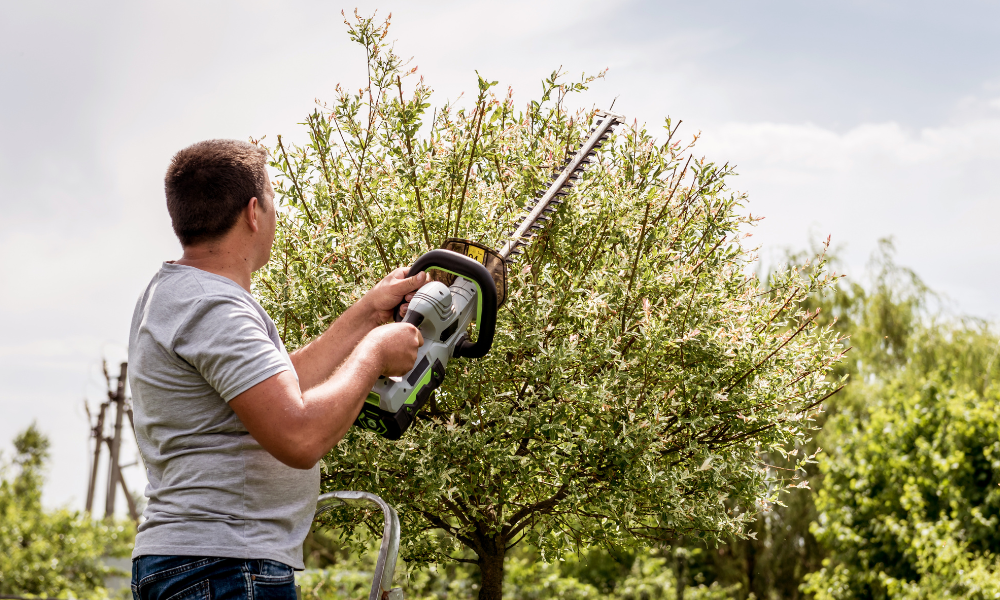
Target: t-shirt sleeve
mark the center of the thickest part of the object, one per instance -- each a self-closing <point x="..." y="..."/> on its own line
<point x="226" y="341"/>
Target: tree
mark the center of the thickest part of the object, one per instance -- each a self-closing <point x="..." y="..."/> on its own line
<point x="908" y="505"/>
<point x="638" y="371"/>
<point x="50" y="553"/>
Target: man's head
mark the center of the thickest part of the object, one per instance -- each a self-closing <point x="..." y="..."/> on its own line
<point x="209" y="185"/>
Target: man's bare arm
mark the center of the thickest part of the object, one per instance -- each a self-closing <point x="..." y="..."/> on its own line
<point x="298" y="427"/>
<point x="317" y="360"/>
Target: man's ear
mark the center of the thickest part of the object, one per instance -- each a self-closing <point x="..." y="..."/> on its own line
<point x="250" y="213"/>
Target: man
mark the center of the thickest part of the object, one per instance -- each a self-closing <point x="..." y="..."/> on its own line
<point x="230" y="426"/>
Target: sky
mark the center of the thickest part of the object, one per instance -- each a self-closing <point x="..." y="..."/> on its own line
<point x="857" y="120"/>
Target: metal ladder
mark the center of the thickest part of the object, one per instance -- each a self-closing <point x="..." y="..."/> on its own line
<point x="385" y="566"/>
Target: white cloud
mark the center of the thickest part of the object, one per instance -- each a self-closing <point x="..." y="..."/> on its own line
<point x="933" y="190"/>
<point x="812" y="148"/>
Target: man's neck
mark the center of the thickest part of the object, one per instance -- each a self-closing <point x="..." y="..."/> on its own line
<point x="222" y="259"/>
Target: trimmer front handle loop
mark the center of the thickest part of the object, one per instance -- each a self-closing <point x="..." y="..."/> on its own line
<point x="463" y="266"/>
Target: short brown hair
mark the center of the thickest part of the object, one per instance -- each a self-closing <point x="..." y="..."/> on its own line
<point x="209" y="184"/>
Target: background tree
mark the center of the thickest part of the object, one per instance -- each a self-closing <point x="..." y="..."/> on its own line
<point x="909" y="504"/>
<point x="878" y="321"/>
<point x="50" y="553"/>
<point x="638" y="372"/>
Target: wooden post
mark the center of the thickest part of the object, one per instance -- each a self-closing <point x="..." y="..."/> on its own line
<point x="98" y="435"/>
<point x="116" y="442"/>
<point x="133" y="510"/>
<point x="680" y="569"/>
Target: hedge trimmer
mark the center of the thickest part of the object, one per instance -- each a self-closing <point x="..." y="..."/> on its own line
<point x="468" y="283"/>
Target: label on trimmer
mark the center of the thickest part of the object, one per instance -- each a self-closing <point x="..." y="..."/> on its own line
<point x="372" y="420"/>
<point x="476" y="254"/>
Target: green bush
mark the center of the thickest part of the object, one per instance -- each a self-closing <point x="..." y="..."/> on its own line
<point x="909" y="502"/>
<point x="644" y="575"/>
<point x="50" y="553"/>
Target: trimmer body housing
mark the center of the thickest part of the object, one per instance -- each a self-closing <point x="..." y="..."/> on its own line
<point x="443" y="313"/>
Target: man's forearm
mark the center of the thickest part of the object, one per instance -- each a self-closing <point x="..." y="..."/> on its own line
<point x="317" y="360"/>
<point x="297" y="425"/>
<point x="333" y="405"/>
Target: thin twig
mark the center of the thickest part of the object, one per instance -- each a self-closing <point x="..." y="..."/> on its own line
<point x="295" y="182"/>
<point x="481" y="108"/>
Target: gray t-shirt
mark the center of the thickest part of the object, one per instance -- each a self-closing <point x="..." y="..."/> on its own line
<point x="197" y="341"/>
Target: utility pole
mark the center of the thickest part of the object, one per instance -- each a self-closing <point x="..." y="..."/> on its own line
<point x="98" y="434"/>
<point x="115" y="479"/>
<point x="114" y="471"/>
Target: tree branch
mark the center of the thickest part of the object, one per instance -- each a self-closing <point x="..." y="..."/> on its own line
<point x="543" y="506"/>
<point x="775" y="351"/>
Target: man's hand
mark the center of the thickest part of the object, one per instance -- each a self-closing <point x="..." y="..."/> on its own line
<point x="316" y="361"/>
<point x="388" y="293"/>
<point x="395" y="345"/>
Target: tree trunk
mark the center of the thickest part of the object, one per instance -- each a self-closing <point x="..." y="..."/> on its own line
<point x="751" y="565"/>
<point x="680" y="570"/>
<point x="491" y="576"/>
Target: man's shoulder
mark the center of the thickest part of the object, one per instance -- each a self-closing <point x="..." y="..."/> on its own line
<point x="179" y="294"/>
<point x="196" y="282"/>
<point x="184" y="288"/>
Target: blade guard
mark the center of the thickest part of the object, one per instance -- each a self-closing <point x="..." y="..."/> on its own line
<point x="486" y="314"/>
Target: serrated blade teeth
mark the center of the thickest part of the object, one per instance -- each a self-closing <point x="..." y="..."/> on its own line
<point x="569" y="170"/>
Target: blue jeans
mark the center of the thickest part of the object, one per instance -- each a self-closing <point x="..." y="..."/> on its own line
<point x="197" y="578"/>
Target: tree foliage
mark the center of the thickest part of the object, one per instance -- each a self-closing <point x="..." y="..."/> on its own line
<point x="638" y="371"/>
<point x="909" y="503"/>
<point x="50" y="553"/>
<point x="640" y="574"/>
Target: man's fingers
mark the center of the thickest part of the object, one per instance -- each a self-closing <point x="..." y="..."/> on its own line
<point x="419" y="336"/>
<point x="412" y="284"/>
